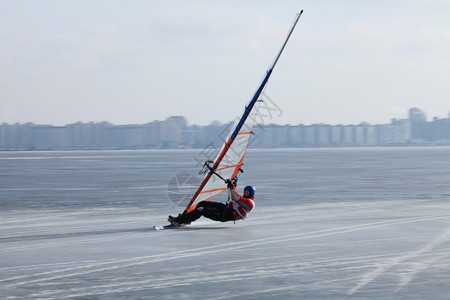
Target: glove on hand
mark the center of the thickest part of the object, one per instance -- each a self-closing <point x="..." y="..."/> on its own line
<point x="229" y="184"/>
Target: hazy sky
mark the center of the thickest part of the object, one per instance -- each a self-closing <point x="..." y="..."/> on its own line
<point x="132" y="62"/>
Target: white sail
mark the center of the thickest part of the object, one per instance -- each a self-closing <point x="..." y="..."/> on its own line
<point x="230" y="158"/>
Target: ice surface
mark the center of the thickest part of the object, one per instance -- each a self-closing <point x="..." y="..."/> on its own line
<point x="328" y="224"/>
<point x="383" y="250"/>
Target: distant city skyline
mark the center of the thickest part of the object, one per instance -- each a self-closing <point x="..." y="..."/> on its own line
<point x="266" y="120"/>
<point x="129" y="62"/>
<point x="175" y="132"/>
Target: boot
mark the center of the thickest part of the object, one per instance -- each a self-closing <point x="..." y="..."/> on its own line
<point x="178" y="221"/>
<point x="175" y="221"/>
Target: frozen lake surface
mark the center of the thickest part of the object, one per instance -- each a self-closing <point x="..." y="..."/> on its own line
<point x="329" y="224"/>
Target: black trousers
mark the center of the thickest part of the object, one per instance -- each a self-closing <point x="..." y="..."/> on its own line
<point x="212" y="210"/>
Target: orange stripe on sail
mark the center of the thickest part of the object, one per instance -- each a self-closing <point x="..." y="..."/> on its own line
<point x="207" y="199"/>
<point x="236" y="171"/>
<point x="213" y="190"/>
<point x="229" y="167"/>
<point x="191" y="208"/>
<point x="219" y="190"/>
<point x="244" y="132"/>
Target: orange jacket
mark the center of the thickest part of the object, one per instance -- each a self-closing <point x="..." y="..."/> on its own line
<point x="241" y="205"/>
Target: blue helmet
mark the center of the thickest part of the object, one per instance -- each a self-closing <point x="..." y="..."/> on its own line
<point x="251" y="190"/>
